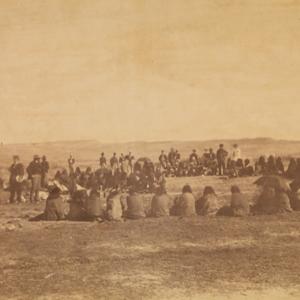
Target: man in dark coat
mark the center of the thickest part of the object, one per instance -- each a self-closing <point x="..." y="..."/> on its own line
<point x="221" y="158"/>
<point x="16" y="178"/>
<point x="163" y="159"/>
<point x="34" y="171"/>
<point x="45" y="170"/>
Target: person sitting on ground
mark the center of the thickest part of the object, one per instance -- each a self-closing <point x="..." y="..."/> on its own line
<point x="279" y="166"/>
<point x="57" y="175"/>
<point x="271" y="167"/>
<point x="247" y="170"/>
<point x="96" y="204"/>
<point x="295" y="195"/>
<point x="54" y="210"/>
<point x="283" y="201"/>
<point x="292" y="169"/>
<point x="260" y="166"/>
<point x="135" y="205"/>
<point x="78" y="206"/>
<point x="266" y="203"/>
<point x="239" y="204"/>
<point x="207" y="205"/>
<point x="185" y="204"/>
<point x="160" y="205"/>
<point x="114" y="206"/>
<point x="194" y="157"/>
<point x="205" y="157"/>
<point x="172" y="157"/>
<point x="77" y="174"/>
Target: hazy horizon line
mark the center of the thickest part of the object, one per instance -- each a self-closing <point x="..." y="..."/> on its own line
<point x="149" y="141"/>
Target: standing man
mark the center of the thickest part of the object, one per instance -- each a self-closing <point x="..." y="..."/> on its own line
<point x="131" y="161"/>
<point x="221" y="158"/>
<point x="45" y="170"/>
<point x="16" y="179"/>
<point x="121" y="159"/>
<point x="102" y="161"/>
<point x="114" y="163"/>
<point x="34" y="171"/>
<point x="236" y="155"/>
<point x="163" y="159"/>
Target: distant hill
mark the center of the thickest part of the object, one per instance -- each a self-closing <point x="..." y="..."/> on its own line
<point x="88" y="152"/>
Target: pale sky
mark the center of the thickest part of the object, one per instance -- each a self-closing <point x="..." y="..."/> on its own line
<point x="125" y="70"/>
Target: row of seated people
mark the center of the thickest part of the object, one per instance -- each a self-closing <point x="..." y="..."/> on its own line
<point x="240" y="168"/>
<point x="120" y="204"/>
<point x="105" y="179"/>
<point x="275" y="166"/>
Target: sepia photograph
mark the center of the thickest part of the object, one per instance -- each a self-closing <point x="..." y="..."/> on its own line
<point x="149" y="149"/>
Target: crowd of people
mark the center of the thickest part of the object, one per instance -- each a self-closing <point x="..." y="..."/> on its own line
<point x="120" y="204"/>
<point x="142" y="174"/>
<point x="210" y="163"/>
<point x="223" y="163"/>
<point x="116" y="188"/>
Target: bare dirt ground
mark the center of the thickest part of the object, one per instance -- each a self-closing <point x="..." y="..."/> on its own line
<point x="166" y="258"/>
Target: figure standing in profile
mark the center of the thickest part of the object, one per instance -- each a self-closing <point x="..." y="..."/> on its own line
<point x="34" y="171"/>
<point x="16" y="179"/>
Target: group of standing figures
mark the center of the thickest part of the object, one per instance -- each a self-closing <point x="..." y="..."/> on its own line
<point x="37" y="174"/>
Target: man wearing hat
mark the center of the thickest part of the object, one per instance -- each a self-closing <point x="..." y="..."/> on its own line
<point x="221" y="158"/>
<point x="34" y="171"/>
<point x="16" y="179"/>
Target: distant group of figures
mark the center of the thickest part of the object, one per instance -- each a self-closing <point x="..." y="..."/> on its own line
<point x="143" y="175"/>
<point x="207" y="164"/>
<point x="222" y="163"/>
